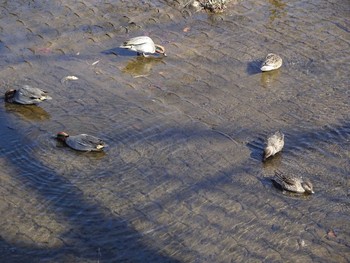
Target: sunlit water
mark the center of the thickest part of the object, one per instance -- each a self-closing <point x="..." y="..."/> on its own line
<point x="182" y="178"/>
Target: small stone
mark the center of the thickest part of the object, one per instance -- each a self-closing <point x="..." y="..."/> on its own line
<point x="301" y="243"/>
<point x="331" y="234"/>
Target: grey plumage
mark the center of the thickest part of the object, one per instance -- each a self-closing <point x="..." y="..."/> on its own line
<point x="293" y="183"/>
<point x="275" y="143"/>
<point x="26" y="95"/>
<point x="271" y="62"/>
<point x="82" y="142"/>
<point x="143" y="45"/>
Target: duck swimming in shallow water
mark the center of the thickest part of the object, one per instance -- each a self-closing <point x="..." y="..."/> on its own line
<point x="293" y="183"/>
<point x="275" y="143"/>
<point x="143" y="45"/>
<point x="82" y="142"/>
<point x="271" y="62"/>
<point x="26" y="95"/>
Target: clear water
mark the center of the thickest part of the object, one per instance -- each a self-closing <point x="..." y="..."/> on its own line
<point x="182" y="179"/>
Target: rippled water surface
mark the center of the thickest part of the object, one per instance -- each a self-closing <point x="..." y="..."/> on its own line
<point x="182" y="178"/>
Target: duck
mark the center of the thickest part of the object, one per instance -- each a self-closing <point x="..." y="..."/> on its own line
<point x="26" y="95"/>
<point x="215" y="6"/>
<point x="275" y="143"/>
<point x="293" y="183"/>
<point x="271" y="62"/>
<point x="82" y="142"/>
<point x="143" y="45"/>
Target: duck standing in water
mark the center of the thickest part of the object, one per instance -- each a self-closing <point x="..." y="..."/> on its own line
<point x="143" y="45"/>
<point x="271" y="62"/>
<point x="275" y="144"/>
<point x="293" y="183"/>
<point x="82" y="142"/>
<point x="26" y="95"/>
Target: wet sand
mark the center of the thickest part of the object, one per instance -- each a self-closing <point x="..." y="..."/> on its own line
<point x="182" y="179"/>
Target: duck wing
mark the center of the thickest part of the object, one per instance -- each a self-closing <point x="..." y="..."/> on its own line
<point x="287" y="179"/>
<point x="85" y="142"/>
<point x="138" y="41"/>
<point x="30" y="95"/>
<point x="276" y="140"/>
<point x="141" y="44"/>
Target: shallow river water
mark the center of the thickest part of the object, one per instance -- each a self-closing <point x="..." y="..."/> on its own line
<point x="182" y="178"/>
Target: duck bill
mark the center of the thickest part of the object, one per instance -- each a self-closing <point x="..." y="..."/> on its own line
<point x="160" y="50"/>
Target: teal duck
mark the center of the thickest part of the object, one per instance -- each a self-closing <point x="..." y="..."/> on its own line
<point x="275" y="143"/>
<point x="26" y="95"/>
<point x="271" y="62"/>
<point x="293" y="183"/>
<point x="82" y="142"/>
<point x="143" y="45"/>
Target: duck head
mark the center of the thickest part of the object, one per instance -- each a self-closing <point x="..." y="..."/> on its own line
<point x="9" y="95"/>
<point x="269" y="151"/>
<point x="307" y="185"/>
<point x="160" y="50"/>
<point x="62" y="136"/>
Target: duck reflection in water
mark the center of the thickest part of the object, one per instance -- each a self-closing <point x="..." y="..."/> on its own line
<point x="28" y="112"/>
<point x="141" y="66"/>
<point x="267" y="78"/>
<point x="277" y="9"/>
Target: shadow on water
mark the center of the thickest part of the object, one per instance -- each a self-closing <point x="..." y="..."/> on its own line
<point x="98" y="234"/>
<point x="212" y="185"/>
<point x="119" y="52"/>
<point x="95" y="233"/>
<point x="253" y="67"/>
<point x="300" y="141"/>
<point x="256" y="148"/>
